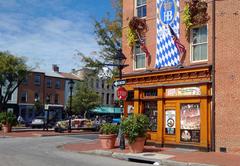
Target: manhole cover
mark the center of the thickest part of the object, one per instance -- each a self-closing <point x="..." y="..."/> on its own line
<point x="148" y="154"/>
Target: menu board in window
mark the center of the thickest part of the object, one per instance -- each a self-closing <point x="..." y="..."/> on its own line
<point x="170" y="122"/>
<point x="190" y="122"/>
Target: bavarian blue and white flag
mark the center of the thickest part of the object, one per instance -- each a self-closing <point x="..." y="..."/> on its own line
<point x="167" y="15"/>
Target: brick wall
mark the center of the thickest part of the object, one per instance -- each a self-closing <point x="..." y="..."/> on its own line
<point x="227" y="62"/>
<point x="227" y="75"/>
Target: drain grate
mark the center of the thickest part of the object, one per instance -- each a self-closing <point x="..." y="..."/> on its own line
<point x="148" y="154"/>
<point x="140" y="161"/>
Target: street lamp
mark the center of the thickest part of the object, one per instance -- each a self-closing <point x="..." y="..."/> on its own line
<point x="120" y="64"/>
<point x="70" y="83"/>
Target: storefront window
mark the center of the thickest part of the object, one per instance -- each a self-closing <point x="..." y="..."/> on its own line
<point x="170" y="122"/>
<point x="190" y="122"/>
<point x="150" y="92"/>
<point x="151" y="111"/>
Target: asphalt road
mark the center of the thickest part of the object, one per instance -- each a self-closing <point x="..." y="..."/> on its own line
<point x="43" y="151"/>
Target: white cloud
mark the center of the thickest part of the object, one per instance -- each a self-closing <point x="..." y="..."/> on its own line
<point x="47" y="39"/>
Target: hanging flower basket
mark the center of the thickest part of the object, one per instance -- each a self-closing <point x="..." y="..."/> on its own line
<point x="195" y="13"/>
<point x="137" y="30"/>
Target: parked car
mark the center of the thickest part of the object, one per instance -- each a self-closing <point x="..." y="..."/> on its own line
<point x="38" y="122"/>
<point x="41" y="121"/>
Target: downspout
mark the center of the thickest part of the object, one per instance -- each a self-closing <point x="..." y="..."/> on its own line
<point x="213" y="76"/>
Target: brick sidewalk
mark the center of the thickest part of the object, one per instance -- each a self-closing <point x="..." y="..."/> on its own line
<point x="214" y="158"/>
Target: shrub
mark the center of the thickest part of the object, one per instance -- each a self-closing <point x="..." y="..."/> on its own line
<point x="135" y="126"/>
<point x="8" y="118"/>
<point x="108" y="129"/>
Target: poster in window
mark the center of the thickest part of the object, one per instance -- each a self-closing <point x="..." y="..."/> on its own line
<point x="170" y="122"/>
<point x="190" y="122"/>
<point x="130" y="109"/>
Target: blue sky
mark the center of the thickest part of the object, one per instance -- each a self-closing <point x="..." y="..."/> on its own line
<point x="49" y="32"/>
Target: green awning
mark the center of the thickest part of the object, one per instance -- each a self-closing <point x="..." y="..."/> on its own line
<point x="107" y="110"/>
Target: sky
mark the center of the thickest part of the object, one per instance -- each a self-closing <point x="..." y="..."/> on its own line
<point x="48" y="32"/>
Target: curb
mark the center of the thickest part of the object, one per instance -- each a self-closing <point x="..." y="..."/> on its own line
<point x="161" y="162"/>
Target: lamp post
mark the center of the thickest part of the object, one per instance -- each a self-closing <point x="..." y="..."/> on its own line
<point x="120" y="59"/>
<point x="47" y="108"/>
<point x="70" y="83"/>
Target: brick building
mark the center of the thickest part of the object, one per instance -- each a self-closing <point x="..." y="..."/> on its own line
<point x="194" y="105"/>
<point x="44" y="87"/>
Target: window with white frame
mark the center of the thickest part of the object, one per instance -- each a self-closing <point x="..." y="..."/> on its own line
<point x="139" y="57"/>
<point x="141" y="8"/>
<point x="199" y="45"/>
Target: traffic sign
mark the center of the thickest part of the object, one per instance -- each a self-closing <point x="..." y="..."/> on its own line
<point x="122" y="93"/>
<point x="119" y="82"/>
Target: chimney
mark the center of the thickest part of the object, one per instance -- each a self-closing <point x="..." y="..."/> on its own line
<point x="55" y="68"/>
<point x="73" y="71"/>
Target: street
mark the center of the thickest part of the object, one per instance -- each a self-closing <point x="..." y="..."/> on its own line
<point x="43" y="151"/>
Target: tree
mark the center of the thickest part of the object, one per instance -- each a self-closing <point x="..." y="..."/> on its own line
<point x="13" y="71"/>
<point x="84" y="99"/>
<point x="109" y="35"/>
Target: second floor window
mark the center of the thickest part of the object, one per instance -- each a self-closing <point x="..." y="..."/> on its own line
<point x="49" y="83"/>
<point x="37" y="79"/>
<point x="97" y="84"/>
<point x="36" y="96"/>
<point x="24" y="97"/>
<point x="102" y="84"/>
<point x="58" y="84"/>
<point x="141" y="8"/>
<point x="107" y="98"/>
<point x="48" y="99"/>
<point x="139" y="57"/>
<point x="56" y="100"/>
<point x="199" y="51"/>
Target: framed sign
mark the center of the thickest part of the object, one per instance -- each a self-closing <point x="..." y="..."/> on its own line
<point x="190" y="122"/>
<point x="188" y="91"/>
<point x="170" y="122"/>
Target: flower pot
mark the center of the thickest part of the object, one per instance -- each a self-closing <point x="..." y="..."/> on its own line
<point x="138" y="145"/>
<point x="7" y="128"/>
<point x="108" y="141"/>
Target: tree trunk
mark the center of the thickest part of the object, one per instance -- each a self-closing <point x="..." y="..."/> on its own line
<point x="85" y="114"/>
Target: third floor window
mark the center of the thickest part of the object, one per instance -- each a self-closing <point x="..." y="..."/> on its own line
<point x="37" y="79"/>
<point x="58" y="84"/>
<point x="141" y="8"/>
<point x="49" y="83"/>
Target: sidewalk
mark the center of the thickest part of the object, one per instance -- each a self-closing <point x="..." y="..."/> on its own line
<point x="164" y="156"/>
<point x="41" y="133"/>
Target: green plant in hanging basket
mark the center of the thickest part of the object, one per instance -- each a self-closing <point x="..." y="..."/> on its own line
<point x="131" y="37"/>
<point x="194" y="13"/>
<point x="187" y="19"/>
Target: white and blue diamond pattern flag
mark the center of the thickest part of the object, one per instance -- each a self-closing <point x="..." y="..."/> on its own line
<point x="167" y="14"/>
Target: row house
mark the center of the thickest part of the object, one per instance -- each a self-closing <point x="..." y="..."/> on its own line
<point x="190" y="95"/>
<point x="46" y="88"/>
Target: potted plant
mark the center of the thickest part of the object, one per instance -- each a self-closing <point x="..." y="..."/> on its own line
<point x="7" y="119"/>
<point x="135" y="128"/>
<point x="108" y="135"/>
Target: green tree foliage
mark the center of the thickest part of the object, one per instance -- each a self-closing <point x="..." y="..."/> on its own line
<point x="108" y="33"/>
<point x="84" y="99"/>
<point x="13" y="70"/>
